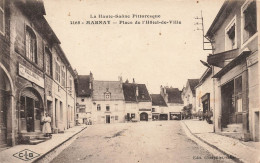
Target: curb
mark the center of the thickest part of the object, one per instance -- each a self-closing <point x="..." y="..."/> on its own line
<point x="56" y="147"/>
<point x="234" y="158"/>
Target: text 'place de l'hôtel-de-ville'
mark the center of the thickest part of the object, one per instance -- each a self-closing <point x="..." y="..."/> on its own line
<point x="37" y="77"/>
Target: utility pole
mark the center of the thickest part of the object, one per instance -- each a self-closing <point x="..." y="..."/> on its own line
<point x="205" y="39"/>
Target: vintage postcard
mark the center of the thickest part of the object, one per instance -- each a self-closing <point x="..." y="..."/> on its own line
<point x="129" y="81"/>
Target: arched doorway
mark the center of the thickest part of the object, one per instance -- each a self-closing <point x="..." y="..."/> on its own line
<point x="31" y="110"/>
<point x="5" y="107"/>
<point x="143" y="116"/>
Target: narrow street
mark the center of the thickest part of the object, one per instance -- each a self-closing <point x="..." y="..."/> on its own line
<point x="158" y="141"/>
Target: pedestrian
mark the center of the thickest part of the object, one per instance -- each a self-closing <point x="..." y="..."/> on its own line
<point x="46" y="128"/>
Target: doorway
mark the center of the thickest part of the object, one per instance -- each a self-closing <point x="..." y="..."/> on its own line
<point x="107" y="118"/>
<point x="163" y="116"/>
<point x="257" y="128"/>
<point x="31" y="110"/>
<point x="3" y="118"/>
<point x="143" y="116"/>
<point x="227" y="104"/>
<point x="5" y="107"/>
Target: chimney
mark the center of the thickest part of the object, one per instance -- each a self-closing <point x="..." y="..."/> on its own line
<point x="137" y="91"/>
<point x="133" y="80"/>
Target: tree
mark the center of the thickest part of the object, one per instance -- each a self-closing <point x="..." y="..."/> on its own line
<point x="186" y="111"/>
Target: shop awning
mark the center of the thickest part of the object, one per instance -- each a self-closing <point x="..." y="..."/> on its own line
<point x="218" y="59"/>
<point x="239" y="59"/>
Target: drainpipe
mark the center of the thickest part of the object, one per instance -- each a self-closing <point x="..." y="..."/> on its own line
<point x="214" y="106"/>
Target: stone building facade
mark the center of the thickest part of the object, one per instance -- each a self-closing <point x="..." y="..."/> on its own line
<point x="84" y="89"/>
<point x="189" y="94"/>
<point x="138" y="103"/>
<point x="108" y="104"/>
<point x="234" y="37"/>
<point x="204" y="92"/>
<point x="173" y="99"/>
<point x="27" y="85"/>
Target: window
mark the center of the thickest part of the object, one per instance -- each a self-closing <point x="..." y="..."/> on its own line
<point x="98" y="107"/>
<point x="57" y="71"/>
<point x="116" y="107"/>
<point x="133" y="115"/>
<point x="238" y="94"/>
<point x="2" y="17"/>
<point x="22" y="108"/>
<point x="63" y="76"/>
<point x="116" y="117"/>
<point x="82" y="110"/>
<point x="31" y="48"/>
<point x="231" y="35"/>
<point x="153" y="109"/>
<point x="70" y="86"/>
<point x="48" y="62"/>
<point x="82" y="100"/>
<point x="107" y="96"/>
<point x="249" y="21"/>
<point x="107" y="108"/>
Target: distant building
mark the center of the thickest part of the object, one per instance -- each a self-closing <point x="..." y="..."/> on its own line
<point x="84" y="89"/>
<point x="204" y="92"/>
<point x="234" y="37"/>
<point x="160" y="109"/>
<point x="108" y="102"/>
<point x="173" y="99"/>
<point x="189" y="94"/>
<point x="138" y="104"/>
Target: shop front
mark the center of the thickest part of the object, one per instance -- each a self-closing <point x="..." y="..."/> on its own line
<point x="205" y="99"/>
<point x="175" y="116"/>
<point x="163" y="116"/>
<point x="155" y="116"/>
<point x="31" y="106"/>
<point x="31" y="111"/>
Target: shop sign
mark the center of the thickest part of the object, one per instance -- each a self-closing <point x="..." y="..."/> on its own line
<point x="144" y="109"/>
<point x="252" y="59"/>
<point x="31" y="76"/>
<point x="81" y="106"/>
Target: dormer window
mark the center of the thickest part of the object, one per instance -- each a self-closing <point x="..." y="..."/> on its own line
<point x="107" y="95"/>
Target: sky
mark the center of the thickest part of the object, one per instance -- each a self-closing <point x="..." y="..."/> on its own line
<point x="152" y="54"/>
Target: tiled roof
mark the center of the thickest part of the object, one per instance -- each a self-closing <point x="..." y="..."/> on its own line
<point x="83" y="85"/>
<point x="193" y="83"/>
<point x="130" y="92"/>
<point x="113" y="87"/>
<point x="157" y="100"/>
<point x="174" y="95"/>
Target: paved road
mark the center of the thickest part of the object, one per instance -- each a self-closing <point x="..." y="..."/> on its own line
<point x="161" y="141"/>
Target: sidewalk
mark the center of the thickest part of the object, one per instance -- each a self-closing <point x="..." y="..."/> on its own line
<point x="241" y="151"/>
<point x="6" y="156"/>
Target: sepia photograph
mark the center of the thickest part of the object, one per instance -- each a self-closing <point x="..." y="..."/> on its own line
<point x="129" y="81"/>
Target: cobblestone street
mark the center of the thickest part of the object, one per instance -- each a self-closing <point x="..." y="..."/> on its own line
<point x="158" y="141"/>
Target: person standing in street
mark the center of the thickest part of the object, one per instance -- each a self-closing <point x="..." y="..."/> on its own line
<point x="46" y="128"/>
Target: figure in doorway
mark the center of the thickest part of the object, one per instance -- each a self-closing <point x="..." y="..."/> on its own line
<point x="46" y="128"/>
